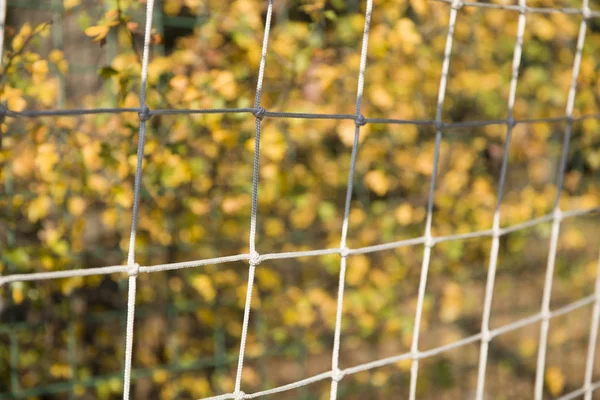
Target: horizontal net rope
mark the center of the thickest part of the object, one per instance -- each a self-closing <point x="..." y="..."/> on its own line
<point x="433" y="240"/>
<point x="287" y="115"/>
<point x="337" y="374"/>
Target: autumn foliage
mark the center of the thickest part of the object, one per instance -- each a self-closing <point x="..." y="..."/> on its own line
<point x="67" y="191"/>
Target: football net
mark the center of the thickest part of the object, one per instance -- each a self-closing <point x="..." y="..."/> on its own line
<point x="336" y="374"/>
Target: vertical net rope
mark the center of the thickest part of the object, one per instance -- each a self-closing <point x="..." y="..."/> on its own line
<point x="414" y="369"/>
<point x="254" y="256"/>
<point x="489" y="288"/>
<point x="132" y="267"/>
<point x="557" y="214"/>
<point x="336" y="374"/>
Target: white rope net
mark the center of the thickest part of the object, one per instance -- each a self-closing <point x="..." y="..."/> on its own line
<point x="496" y="232"/>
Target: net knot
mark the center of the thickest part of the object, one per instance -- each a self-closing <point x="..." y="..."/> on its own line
<point x="3" y="113"/>
<point x="545" y="314"/>
<point x="510" y="122"/>
<point x="239" y="395"/>
<point x="259" y="113"/>
<point x="337" y="375"/>
<point x="586" y="13"/>
<point x="144" y="113"/>
<point x="457" y="4"/>
<point x="523" y="9"/>
<point x="486" y="336"/>
<point x="429" y="241"/>
<point x="345" y="252"/>
<point x="360" y="120"/>
<point x="496" y="232"/>
<point x="254" y="258"/>
<point x="557" y="214"/>
<point x="133" y="269"/>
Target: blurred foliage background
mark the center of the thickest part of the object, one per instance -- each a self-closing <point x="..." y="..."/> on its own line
<point x="66" y="196"/>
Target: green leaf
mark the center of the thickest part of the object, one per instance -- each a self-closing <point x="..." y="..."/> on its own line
<point x="330" y="15"/>
<point x="84" y="20"/>
<point x="107" y="72"/>
<point x="18" y="256"/>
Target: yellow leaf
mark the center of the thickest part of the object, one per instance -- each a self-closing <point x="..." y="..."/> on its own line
<point x="381" y="97"/>
<point x="358" y="268"/>
<point x="160" y="376"/>
<point x="60" y="370"/>
<point x="224" y="83"/>
<point x="274" y="227"/>
<point x="378" y="182"/>
<point x="98" y="32"/>
<point x="204" y="286"/>
<point x="25" y="30"/>
<point x="18" y="42"/>
<point x="14" y="99"/>
<point x="404" y="365"/>
<point x="112" y="21"/>
<point x="56" y="56"/>
<point x="574" y="239"/>
<point x="17" y="294"/>
<point x="555" y="380"/>
<point x="39" y="208"/>
<point x="100" y="184"/>
<point x="527" y="347"/>
<point x="250" y="376"/>
<point x="304" y="216"/>
<point x="346" y="131"/>
<point x="179" y="82"/>
<point x="544" y="28"/>
<point x="172" y="7"/>
<point x="40" y="67"/>
<point x="68" y="4"/>
<point x="452" y="304"/>
<point x="46" y="159"/>
<point x="380" y="378"/>
<point x="404" y="214"/>
<point x="42" y="29"/>
<point x="63" y="66"/>
<point x="79" y="390"/>
<point x="193" y="4"/>
<point x="268" y="279"/>
<point x="232" y="205"/>
<point x="76" y="206"/>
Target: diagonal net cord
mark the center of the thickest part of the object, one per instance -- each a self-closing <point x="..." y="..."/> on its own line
<point x="337" y="374"/>
<point x="414" y="369"/>
<point x="254" y="256"/>
<point x="545" y="309"/>
<point x="589" y="364"/>
<point x="132" y="267"/>
<point x="489" y="289"/>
